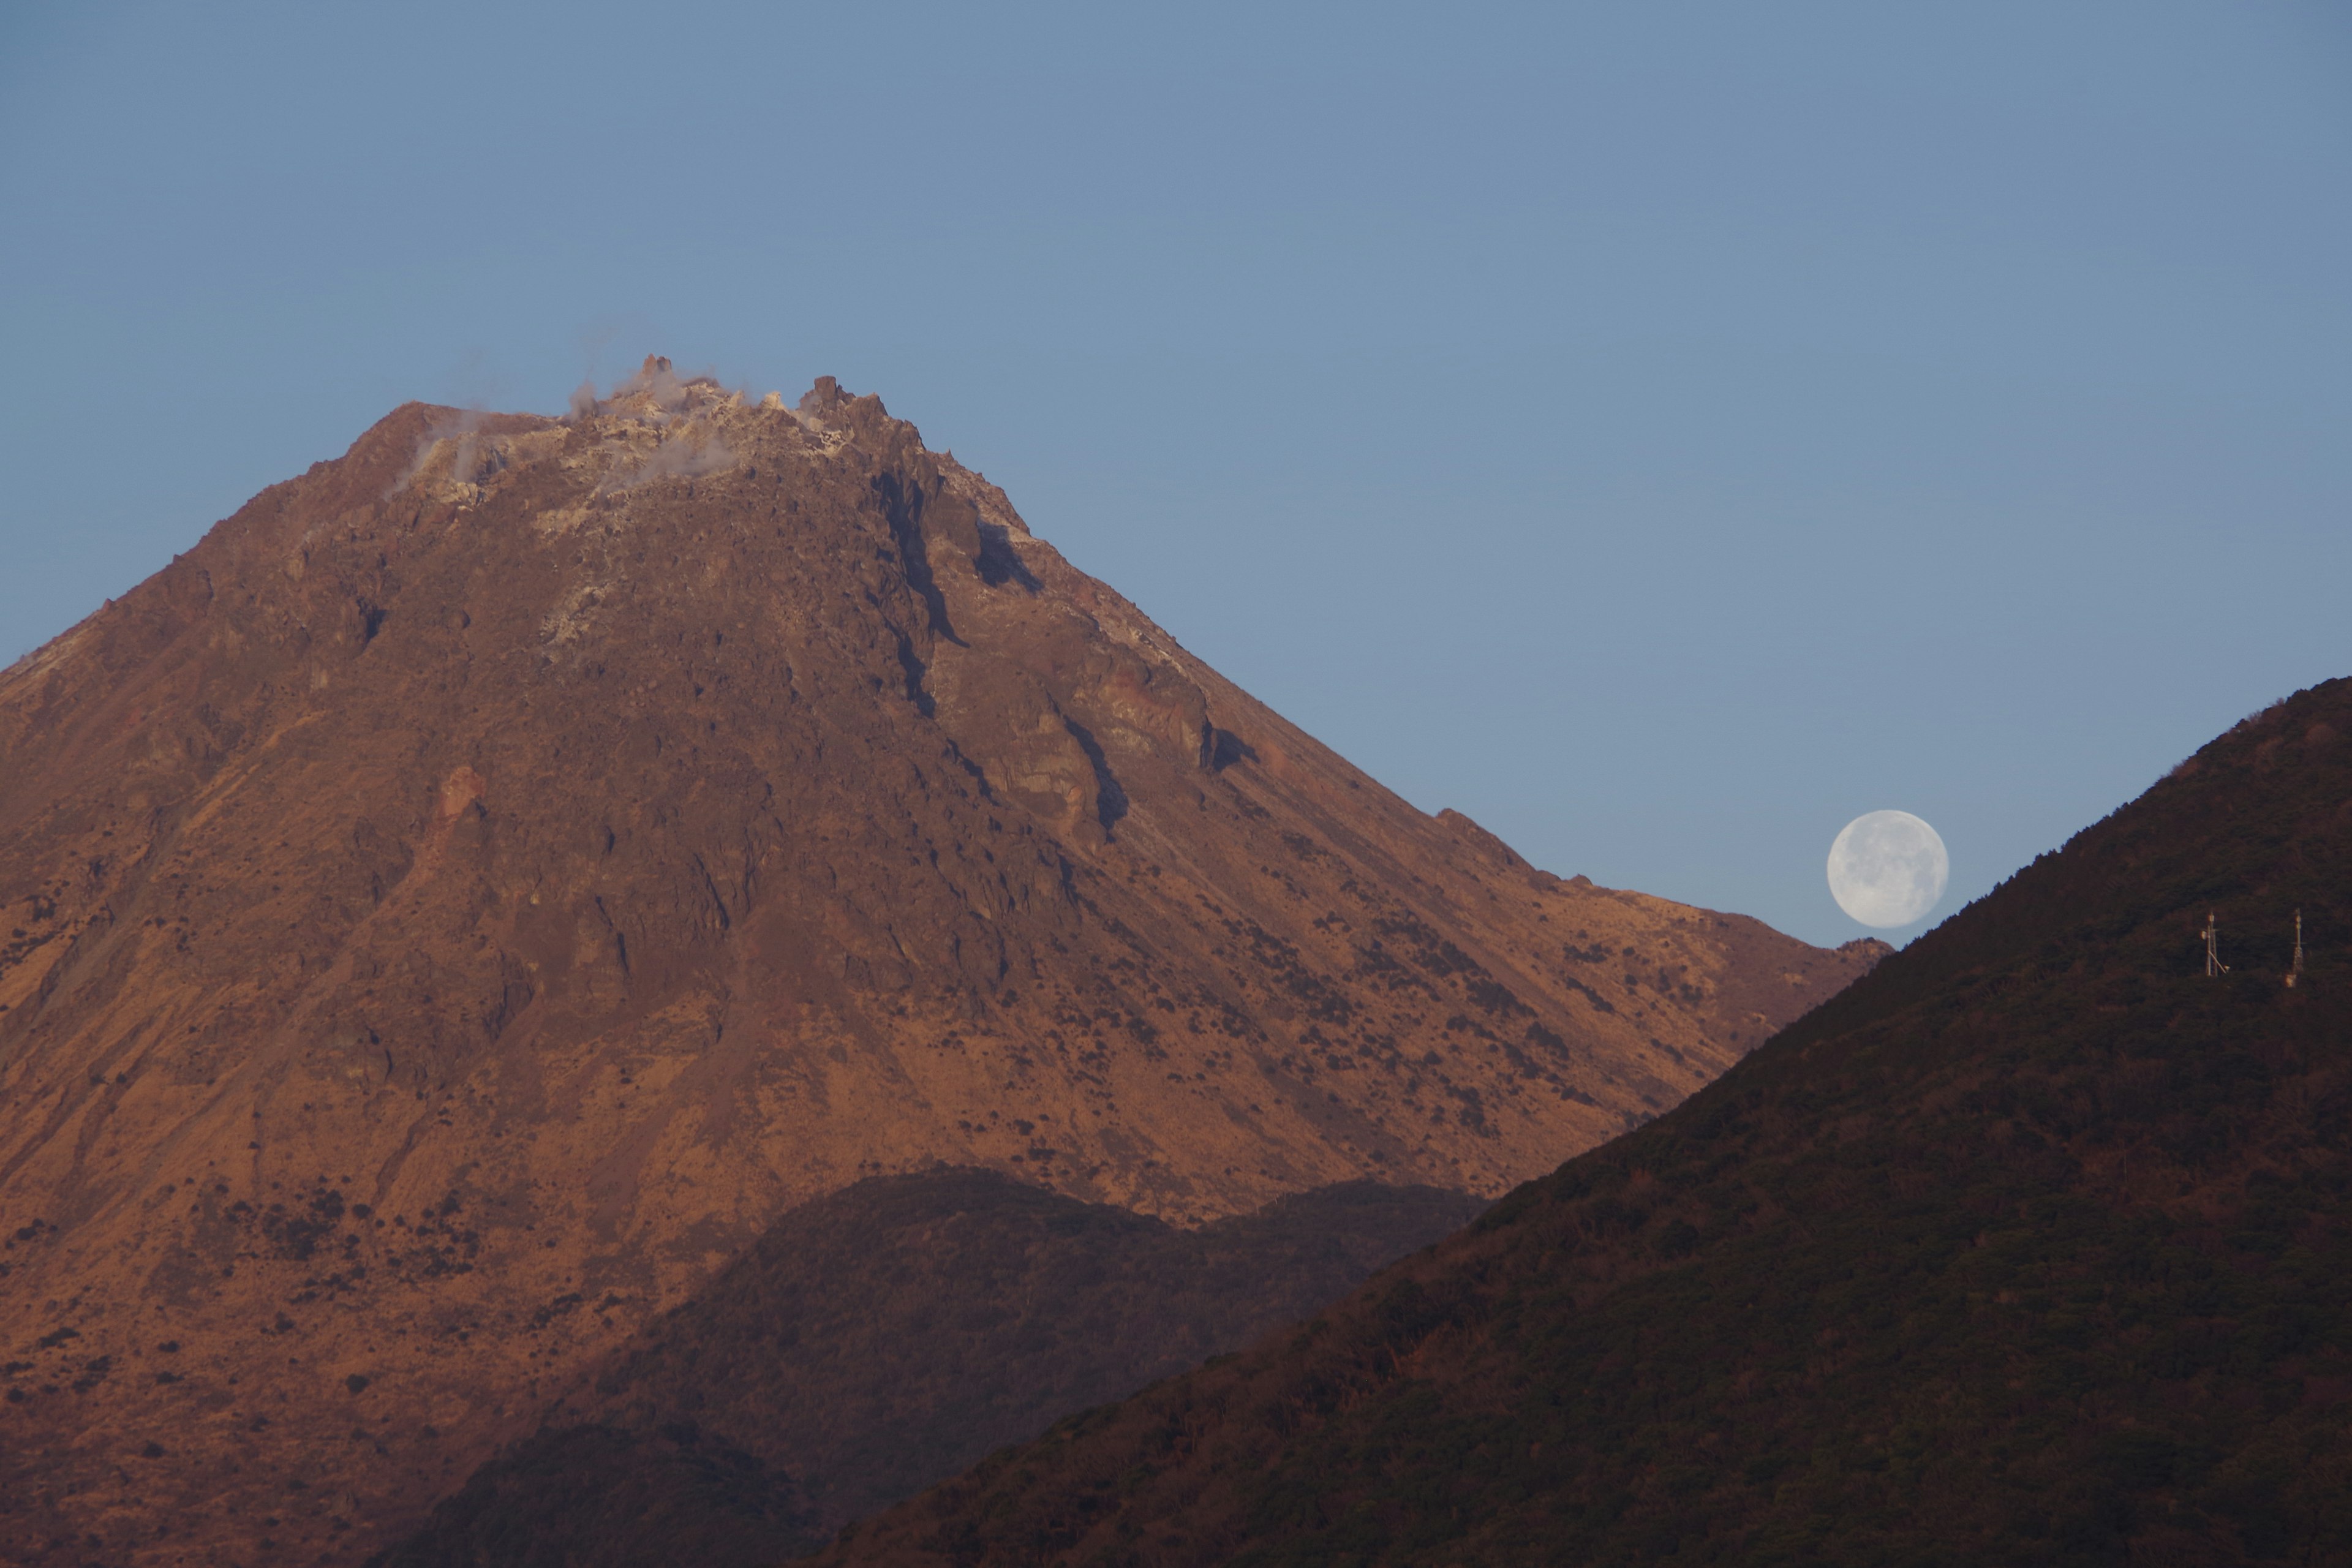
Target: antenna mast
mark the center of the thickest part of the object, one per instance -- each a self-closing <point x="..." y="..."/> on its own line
<point x="2212" y="934"/>
<point x="2295" y="974"/>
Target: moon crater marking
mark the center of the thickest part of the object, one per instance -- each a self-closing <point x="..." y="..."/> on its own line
<point x="1888" y="868"/>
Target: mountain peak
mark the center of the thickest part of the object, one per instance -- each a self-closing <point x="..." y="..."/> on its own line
<point x="513" y="863"/>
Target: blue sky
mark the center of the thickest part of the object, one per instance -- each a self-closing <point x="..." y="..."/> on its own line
<point x="1663" y="432"/>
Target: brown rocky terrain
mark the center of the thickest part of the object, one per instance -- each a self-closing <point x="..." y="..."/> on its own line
<point x="457" y="906"/>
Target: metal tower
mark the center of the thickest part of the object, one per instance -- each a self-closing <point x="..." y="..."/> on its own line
<point x="2212" y="934"/>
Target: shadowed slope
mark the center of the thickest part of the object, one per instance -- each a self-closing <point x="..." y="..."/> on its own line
<point x="2032" y="1247"/>
<point x="883" y="1338"/>
<point x="516" y="861"/>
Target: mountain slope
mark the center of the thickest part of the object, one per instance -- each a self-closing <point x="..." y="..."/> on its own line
<point x="2032" y="1247"/>
<point x="519" y="859"/>
<point x="883" y="1338"/>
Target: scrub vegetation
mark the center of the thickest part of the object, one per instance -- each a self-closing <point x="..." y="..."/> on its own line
<point x="885" y="1337"/>
<point x="2030" y="1248"/>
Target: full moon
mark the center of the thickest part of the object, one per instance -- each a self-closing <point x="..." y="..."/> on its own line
<point x="1887" y="868"/>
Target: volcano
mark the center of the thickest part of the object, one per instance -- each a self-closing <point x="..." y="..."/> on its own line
<point x="456" y="908"/>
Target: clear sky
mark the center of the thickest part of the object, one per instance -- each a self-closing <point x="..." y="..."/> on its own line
<point x="1662" y="431"/>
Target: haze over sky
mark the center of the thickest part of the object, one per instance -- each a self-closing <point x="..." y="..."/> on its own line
<point x="1664" y="432"/>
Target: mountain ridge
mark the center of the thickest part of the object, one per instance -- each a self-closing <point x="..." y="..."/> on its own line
<point x="883" y="1337"/>
<point x="2034" y="1246"/>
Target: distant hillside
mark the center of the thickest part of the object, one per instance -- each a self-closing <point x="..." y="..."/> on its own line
<point x="2033" y="1247"/>
<point x="882" y="1339"/>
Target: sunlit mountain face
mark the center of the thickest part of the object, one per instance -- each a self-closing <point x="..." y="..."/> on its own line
<point x="453" y="911"/>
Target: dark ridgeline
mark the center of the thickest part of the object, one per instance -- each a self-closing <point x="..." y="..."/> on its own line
<point x="885" y="1337"/>
<point x="2031" y="1247"/>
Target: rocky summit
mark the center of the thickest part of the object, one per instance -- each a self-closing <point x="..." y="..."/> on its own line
<point x="451" y="910"/>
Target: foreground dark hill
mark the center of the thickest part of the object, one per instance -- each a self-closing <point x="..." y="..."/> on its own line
<point x="516" y="861"/>
<point x="883" y="1338"/>
<point x="2033" y="1247"/>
